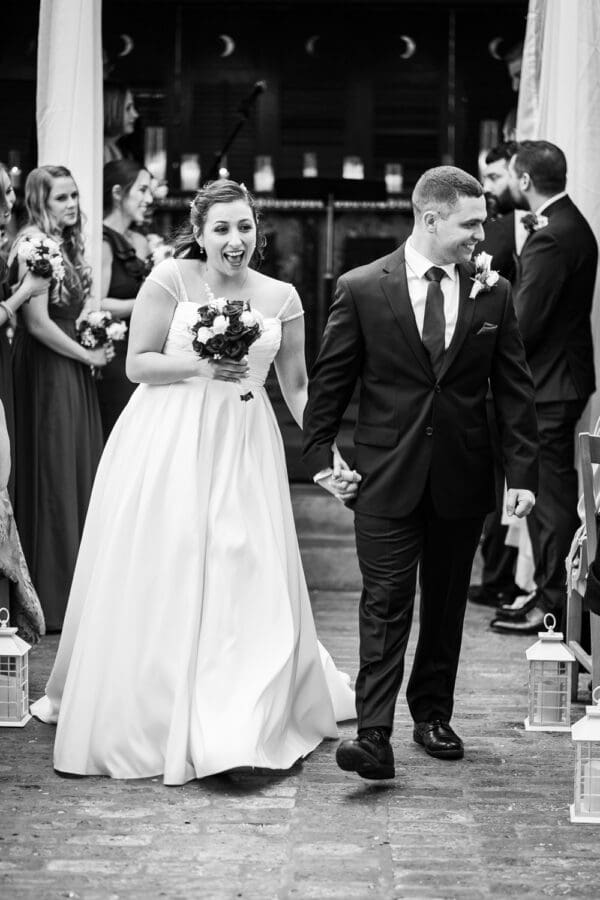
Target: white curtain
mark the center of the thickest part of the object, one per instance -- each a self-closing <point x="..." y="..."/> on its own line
<point x="69" y="106"/>
<point x="559" y="101"/>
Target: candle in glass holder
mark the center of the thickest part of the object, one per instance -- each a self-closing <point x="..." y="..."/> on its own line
<point x="353" y="168"/>
<point x="189" y="172"/>
<point x="393" y="178"/>
<point x="309" y="165"/>
<point x="155" y="151"/>
<point x="264" y="177"/>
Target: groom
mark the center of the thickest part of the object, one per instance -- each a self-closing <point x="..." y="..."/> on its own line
<point x="424" y="350"/>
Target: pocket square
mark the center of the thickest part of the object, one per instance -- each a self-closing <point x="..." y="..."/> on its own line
<point x="487" y="328"/>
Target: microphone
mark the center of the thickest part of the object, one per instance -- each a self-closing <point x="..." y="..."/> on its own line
<point x="246" y="104"/>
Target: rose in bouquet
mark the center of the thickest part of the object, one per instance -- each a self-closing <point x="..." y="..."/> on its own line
<point x="42" y="257"/>
<point x="226" y="329"/>
<point x="97" y="329"/>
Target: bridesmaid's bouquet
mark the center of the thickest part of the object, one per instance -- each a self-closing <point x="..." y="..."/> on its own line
<point x="98" y="329"/>
<point x="42" y="257"/>
<point x="226" y="329"/>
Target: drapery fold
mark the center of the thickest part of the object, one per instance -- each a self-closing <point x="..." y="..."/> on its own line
<point x="69" y="106"/>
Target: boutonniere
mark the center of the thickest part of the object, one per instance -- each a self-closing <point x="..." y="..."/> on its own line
<point x="532" y="223"/>
<point x="485" y="277"/>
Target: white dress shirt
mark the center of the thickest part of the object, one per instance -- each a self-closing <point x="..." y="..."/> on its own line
<point x="416" y="266"/>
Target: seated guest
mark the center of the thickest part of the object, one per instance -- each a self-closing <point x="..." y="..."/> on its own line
<point x="127" y="196"/>
<point x="58" y="434"/>
<point x="120" y="116"/>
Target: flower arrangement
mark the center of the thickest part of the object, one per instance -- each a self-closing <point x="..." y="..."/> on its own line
<point x="226" y="329"/>
<point x="485" y="277"/>
<point x="42" y="257"/>
<point x="97" y="329"/>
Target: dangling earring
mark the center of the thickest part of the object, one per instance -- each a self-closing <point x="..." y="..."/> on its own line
<point x="201" y="251"/>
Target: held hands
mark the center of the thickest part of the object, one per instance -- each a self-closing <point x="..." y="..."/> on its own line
<point x="229" y="369"/>
<point x="342" y="481"/>
<point x="519" y="502"/>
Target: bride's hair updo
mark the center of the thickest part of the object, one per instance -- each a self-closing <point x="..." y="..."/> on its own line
<point x="222" y="191"/>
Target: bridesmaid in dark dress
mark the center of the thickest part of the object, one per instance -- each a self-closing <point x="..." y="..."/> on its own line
<point x="58" y="434"/>
<point x="127" y="195"/>
<point x="9" y="304"/>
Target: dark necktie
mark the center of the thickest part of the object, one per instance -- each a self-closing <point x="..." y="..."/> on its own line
<point x="434" y="323"/>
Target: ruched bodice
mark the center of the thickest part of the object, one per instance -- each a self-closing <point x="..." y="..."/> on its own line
<point x="260" y="357"/>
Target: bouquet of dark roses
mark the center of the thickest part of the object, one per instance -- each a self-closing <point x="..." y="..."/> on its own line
<point x="226" y="329"/>
<point x="97" y="329"/>
<point x="42" y="257"/>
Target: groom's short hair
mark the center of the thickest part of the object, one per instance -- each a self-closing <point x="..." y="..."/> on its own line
<point x="442" y="186"/>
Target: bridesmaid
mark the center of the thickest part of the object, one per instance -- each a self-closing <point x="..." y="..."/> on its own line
<point x="58" y="434"/>
<point x="120" y="116"/>
<point x="9" y="304"/>
<point x="127" y="196"/>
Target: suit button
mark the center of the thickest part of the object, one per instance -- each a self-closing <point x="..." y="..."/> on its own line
<point x="437" y="389"/>
<point x="429" y="431"/>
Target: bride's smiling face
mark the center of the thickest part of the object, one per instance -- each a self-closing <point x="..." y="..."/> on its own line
<point x="229" y="237"/>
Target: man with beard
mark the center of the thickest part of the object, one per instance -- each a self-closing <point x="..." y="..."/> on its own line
<point x="553" y="302"/>
<point x="504" y="237"/>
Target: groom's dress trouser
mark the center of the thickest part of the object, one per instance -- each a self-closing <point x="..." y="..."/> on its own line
<point x="389" y="551"/>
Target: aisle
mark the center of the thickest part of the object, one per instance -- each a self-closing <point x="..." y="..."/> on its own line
<point x="494" y="825"/>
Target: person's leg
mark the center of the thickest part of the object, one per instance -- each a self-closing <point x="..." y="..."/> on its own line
<point x="499" y="561"/>
<point x="388" y="554"/>
<point x="448" y="549"/>
<point x="553" y="520"/>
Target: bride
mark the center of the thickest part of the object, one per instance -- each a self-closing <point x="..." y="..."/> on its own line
<point x="189" y="646"/>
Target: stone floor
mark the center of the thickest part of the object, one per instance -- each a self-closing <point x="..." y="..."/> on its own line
<point x="493" y="825"/>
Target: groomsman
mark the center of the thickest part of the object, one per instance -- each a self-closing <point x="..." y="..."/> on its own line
<point x="504" y="238"/>
<point x="553" y="302"/>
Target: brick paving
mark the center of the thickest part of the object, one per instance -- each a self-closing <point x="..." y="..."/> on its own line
<point x="493" y="825"/>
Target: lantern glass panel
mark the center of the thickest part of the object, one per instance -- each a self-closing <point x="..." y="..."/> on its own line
<point x="14" y="699"/>
<point x="549" y="692"/>
<point x="587" y="779"/>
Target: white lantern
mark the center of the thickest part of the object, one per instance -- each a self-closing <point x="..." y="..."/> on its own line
<point x="550" y="672"/>
<point x="586" y="735"/>
<point x="14" y="681"/>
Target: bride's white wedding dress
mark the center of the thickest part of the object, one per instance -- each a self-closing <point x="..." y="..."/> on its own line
<point x="189" y="646"/>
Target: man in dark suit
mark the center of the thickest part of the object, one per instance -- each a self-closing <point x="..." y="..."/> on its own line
<point x="424" y="347"/>
<point x="553" y="302"/>
<point x="503" y="240"/>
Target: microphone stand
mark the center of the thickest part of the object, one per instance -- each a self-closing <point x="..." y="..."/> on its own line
<point x="243" y="116"/>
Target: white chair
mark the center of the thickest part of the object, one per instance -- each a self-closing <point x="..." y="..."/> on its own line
<point x="589" y="447"/>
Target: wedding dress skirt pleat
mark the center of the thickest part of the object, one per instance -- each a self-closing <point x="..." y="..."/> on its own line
<point x="189" y="646"/>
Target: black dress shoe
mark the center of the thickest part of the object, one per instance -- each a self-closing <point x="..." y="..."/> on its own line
<point x="483" y="595"/>
<point x="531" y="623"/>
<point x="518" y="609"/>
<point x="439" y="740"/>
<point x="370" y="755"/>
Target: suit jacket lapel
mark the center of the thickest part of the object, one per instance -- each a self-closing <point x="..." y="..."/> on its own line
<point x="466" y="309"/>
<point x="395" y="288"/>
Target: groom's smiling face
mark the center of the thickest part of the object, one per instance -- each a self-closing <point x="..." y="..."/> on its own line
<point x="456" y="230"/>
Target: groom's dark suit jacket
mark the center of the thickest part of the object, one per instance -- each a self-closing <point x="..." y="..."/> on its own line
<point x="553" y="300"/>
<point x="411" y="425"/>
